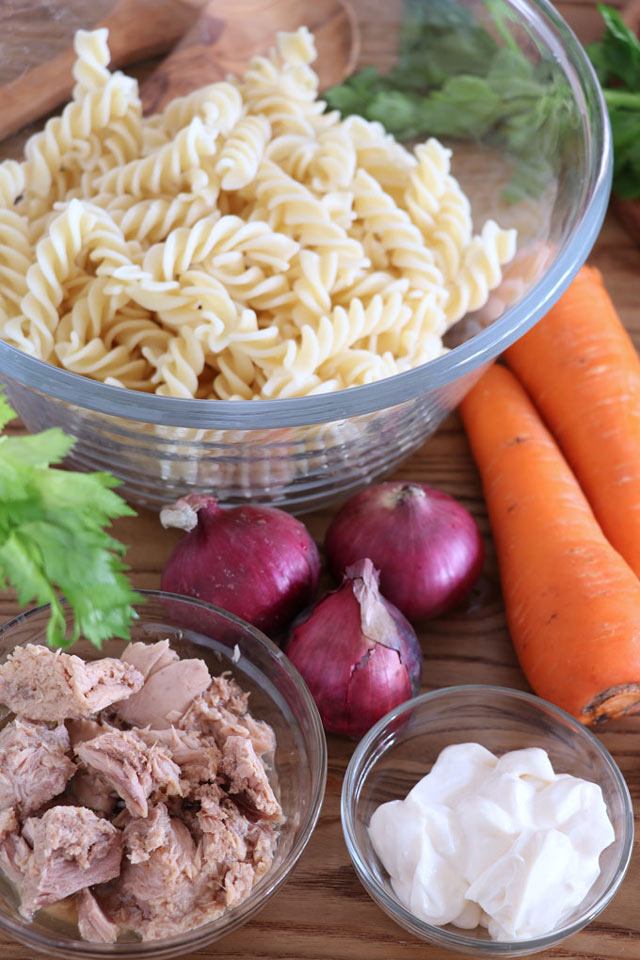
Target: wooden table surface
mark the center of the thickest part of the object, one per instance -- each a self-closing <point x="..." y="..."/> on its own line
<point x="322" y="912"/>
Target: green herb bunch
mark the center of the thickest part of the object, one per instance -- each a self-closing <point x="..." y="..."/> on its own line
<point x="455" y="78"/>
<point x="52" y="537"/>
<point x="616" y="58"/>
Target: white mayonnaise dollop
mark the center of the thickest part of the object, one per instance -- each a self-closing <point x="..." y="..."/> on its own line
<point x="503" y="842"/>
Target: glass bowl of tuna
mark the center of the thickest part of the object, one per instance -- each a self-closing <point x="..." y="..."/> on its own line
<point x="154" y="794"/>
<point x="486" y="821"/>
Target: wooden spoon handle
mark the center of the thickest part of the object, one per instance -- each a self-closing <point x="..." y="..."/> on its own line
<point x="229" y="32"/>
<point x="191" y="64"/>
<point x="137" y="29"/>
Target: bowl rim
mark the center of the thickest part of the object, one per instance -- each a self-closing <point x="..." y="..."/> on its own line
<point x="356" y="774"/>
<point x="199" y="937"/>
<point x="479" y="350"/>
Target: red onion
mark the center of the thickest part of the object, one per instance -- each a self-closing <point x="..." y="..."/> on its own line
<point x="357" y="653"/>
<point x="257" y="562"/>
<point x="426" y="546"/>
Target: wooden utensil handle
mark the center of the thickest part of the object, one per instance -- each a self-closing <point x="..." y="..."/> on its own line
<point x="137" y="29"/>
<point x="229" y="32"/>
<point x="192" y="63"/>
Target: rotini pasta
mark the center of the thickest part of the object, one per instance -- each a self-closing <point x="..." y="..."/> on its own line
<point x="243" y="244"/>
<point x="179" y="368"/>
<point x="90" y="70"/>
<point x="291" y="206"/>
<point x="118" y="365"/>
<point x="45" y="151"/>
<point x="90" y="314"/>
<point x="386" y="160"/>
<point x="283" y="87"/>
<point x="218" y="106"/>
<point x="12" y="182"/>
<point x="54" y="264"/>
<point x="241" y="154"/>
<point x="15" y="257"/>
<point x="314" y="285"/>
<point x="398" y="237"/>
<point x="331" y="335"/>
<point x="438" y="207"/>
<point x="480" y="271"/>
<point x="152" y="219"/>
<point x="427" y="183"/>
<point x="167" y="170"/>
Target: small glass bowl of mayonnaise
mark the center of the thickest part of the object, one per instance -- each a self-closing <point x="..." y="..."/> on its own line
<point x="402" y="748"/>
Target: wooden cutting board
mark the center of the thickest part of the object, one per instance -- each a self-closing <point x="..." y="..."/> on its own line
<point x="323" y="913"/>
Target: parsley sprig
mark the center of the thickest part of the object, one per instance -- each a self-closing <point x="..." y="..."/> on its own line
<point x="52" y="537"/>
<point x="616" y="58"/>
<point x="455" y="78"/>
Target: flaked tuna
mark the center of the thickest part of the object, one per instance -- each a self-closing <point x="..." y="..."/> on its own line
<point x="43" y="684"/>
<point x="34" y="766"/>
<point x="170" y="685"/>
<point x="223" y="830"/>
<point x="8" y="823"/>
<point x="131" y="767"/>
<point x="61" y="852"/>
<point x="160" y="866"/>
<point x="197" y="755"/>
<point x="93" y="925"/>
<point x="89" y="789"/>
<point x="14" y="856"/>
<point x="221" y="712"/>
<point x="148" y="658"/>
<point x="81" y="730"/>
<point x="238" y="881"/>
<point x="248" y="777"/>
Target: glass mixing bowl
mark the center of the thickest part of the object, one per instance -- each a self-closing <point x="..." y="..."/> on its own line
<point x="303" y="453"/>
<point x="278" y="695"/>
<point x="403" y="746"/>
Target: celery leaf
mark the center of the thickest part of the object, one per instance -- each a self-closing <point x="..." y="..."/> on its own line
<point x="53" y="537"/>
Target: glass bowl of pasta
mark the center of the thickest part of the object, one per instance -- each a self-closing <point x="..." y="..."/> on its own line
<point x="276" y="292"/>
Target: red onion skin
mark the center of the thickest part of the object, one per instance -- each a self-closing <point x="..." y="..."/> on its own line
<point x="426" y="545"/>
<point x="353" y="680"/>
<point x="256" y="562"/>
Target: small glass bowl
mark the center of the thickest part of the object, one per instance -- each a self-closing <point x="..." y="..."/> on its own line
<point x="403" y="745"/>
<point x="278" y="695"/>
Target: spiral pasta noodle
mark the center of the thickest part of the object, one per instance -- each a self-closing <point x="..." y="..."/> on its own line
<point x="427" y="183"/>
<point x="168" y="169"/>
<point x="398" y="237"/>
<point x="54" y="263"/>
<point x="151" y="219"/>
<point x="241" y="154"/>
<point x="91" y="69"/>
<point x="480" y="270"/>
<point x="12" y="182"/>
<point x="218" y="106"/>
<point x="45" y="151"/>
<point x="242" y="244"/>
<point x="15" y="257"/>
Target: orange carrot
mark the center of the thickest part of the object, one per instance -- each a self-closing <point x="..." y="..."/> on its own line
<point x="572" y="602"/>
<point x="583" y="374"/>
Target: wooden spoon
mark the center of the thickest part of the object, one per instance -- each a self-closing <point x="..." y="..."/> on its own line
<point x="222" y="40"/>
<point x="229" y="32"/>
<point x="137" y="29"/>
